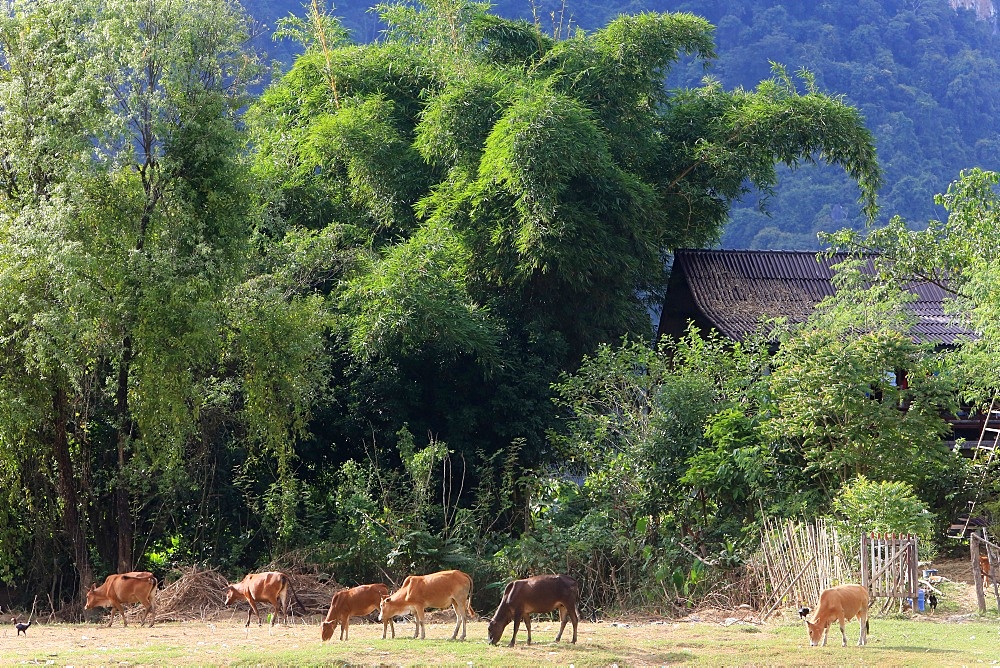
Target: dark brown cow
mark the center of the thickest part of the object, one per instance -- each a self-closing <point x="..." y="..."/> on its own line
<point x="270" y="587"/>
<point x="123" y="588"/>
<point x="444" y="589"/>
<point x="541" y="593"/>
<point x="355" y="602"/>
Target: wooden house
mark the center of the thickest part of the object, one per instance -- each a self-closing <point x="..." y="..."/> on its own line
<point x="732" y="291"/>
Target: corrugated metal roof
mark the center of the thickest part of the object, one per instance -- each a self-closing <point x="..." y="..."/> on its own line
<point x="736" y="289"/>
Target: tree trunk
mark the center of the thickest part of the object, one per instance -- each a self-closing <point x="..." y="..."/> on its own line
<point x="123" y="517"/>
<point x="74" y="521"/>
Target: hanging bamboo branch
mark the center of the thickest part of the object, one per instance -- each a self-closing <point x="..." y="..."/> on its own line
<point x="321" y="33"/>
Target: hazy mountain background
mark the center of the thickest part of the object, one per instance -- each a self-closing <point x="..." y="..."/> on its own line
<point x="923" y="72"/>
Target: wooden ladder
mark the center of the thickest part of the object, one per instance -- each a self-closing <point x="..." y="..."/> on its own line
<point x="982" y="458"/>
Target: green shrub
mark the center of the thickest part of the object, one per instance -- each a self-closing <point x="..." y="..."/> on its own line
<point x="865" y="506"/>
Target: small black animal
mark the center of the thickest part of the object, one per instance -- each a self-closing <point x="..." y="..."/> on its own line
<point x="932" y="600"/>
<point x="20" y="626"/>
<point x="803" y="612"/>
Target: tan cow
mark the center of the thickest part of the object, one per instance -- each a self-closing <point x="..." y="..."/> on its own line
<point x="123" y="588"/>
<point x="269" y="587"/>
<point x="842" y="604"/>
<point x="355" y="602"/>
<point x="444" y="589"/>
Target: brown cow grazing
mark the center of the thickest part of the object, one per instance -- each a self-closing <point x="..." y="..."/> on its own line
<point x="270" y="587"/>
<point x="843" y="604"/>
<point x="123" y="588"/>
<point x="444" y="589"/>
<point x="542" y="593"/>
<point x="984" y="569"/>
<point x="354" y="602"/>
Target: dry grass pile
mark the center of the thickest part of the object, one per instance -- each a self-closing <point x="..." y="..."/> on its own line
<point x="198" y="594"/>
<point x="314" y="588"/>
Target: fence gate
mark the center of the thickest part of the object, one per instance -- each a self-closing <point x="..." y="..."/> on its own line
<point x="889" y="565"/>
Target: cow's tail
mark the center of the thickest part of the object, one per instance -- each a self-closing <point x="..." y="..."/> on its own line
<point x="579" y="608"/>
<point x="468" y="602"/>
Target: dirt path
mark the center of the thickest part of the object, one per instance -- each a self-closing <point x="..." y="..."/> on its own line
<point x="958" y="587"/>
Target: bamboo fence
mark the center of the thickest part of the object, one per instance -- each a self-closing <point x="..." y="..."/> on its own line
<point x="798" y="560"/>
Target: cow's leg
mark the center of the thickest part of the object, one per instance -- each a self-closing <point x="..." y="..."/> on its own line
<point x="563" y="618"/>
<point x="150" y="612"/>
<point x="253" y="611"/>
<point x="466" y="606"/>
<point x="345" y="627"/>
<point x="517" y="622"/>
<point x="121" y="609"/>
<point x="460" y="608"/>
<point x="843" y="632"/>
<point x="418" y="616"/>
<point x="112" y="620"/>
<point x="863" y="618"/>
<point x="527" y="625"/>
<point x="575" y="618"/>
<point x="385" y="623"/>
<point x="286" y="604"/>
<point x="458" y="619"/>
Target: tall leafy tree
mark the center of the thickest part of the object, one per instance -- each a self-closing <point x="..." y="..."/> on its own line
<point x="857" y="394"/>
<point x="534" y="188"/>
<point x="960" y="254"/>
<point x="123" y="219"/>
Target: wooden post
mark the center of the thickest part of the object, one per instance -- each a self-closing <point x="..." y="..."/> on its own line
<point x="993" y="554"/>
<point x="977" y="577"/>
<point x="864" y="563"/>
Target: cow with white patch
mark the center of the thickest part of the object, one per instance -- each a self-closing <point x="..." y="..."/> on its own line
<point x="444" y="589"/>
<point x="842" y="603"/>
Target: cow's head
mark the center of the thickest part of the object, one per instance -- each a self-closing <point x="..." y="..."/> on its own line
<point x="815" y="632"/>
<point x="381" y="605"/>
<point x="494" y="631"/>
<point x="91" y="597"/>
<point x="498" y="623"/>
<point x="328" y="628"/>
<point x="232" y="594"/>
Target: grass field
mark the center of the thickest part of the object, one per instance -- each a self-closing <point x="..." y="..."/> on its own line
<point x="953" y="635"/>
<point x="781" y="642"/>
